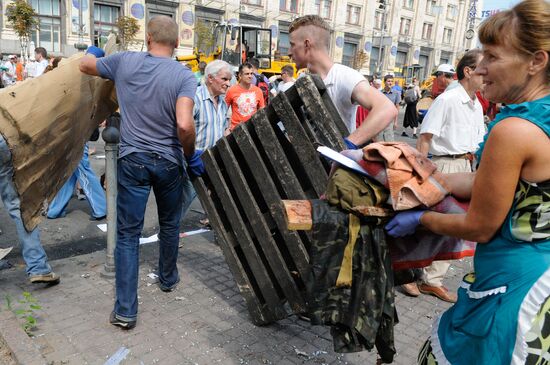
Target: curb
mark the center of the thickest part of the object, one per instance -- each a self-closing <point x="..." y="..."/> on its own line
<point x="23" y="349"/>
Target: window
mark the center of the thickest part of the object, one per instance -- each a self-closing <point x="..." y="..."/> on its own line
<point x="105" y="18"/>
<point x="48" y="34"/>
<point x="427" y="31"/>
<point x="447" y="35"/>
<point x="452" y="12"/>
<point x="288" y="5"/>
<point x="431" y="6"/>
<point x="373" y="64"/>
<point x="323" y="7"/>
<point x="378" y="19"/>
<point x="400" y="62"/>
<point x="349" y="51"/>
<point x="409" y="4"/>
<point x="283" y="43"/>
<point x="353" y="14"/>
<point x="252" y="2"/>
<point x="405" y="27"/>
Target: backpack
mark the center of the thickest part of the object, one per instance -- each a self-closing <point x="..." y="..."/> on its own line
<point x="260" y="82"/>
<point x="410" y="96"/>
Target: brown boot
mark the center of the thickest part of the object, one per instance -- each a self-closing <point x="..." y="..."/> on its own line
<point x="410" y="289"/>
<point x="438" y="291"/>
<point x="50" y="278"/>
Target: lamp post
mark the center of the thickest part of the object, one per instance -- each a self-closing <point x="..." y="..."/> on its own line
<point x="80" y="46"/>
<point x="111" y="137"/>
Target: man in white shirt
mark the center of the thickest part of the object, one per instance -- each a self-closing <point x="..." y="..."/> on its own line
<point x="41" y="57"/>
<point x="8" y="76"/>
<point x="287" y="72"/>
<point x="451" y="132"/>
<point x="309" y="48"/>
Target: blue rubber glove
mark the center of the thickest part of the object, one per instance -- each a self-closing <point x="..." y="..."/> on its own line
<point x="96" y="51"/>
<point x="195" y="166"/>
<point x="404" y="223"/>
<point x="350" y="145"/>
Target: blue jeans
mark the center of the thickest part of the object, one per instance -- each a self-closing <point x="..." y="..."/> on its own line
<point x="92" y="190"/>
<point x="189" y="194"/>
<point x="33" y="252"/>
<point x="137" y="173"/>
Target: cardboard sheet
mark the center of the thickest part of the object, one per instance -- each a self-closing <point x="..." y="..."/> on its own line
<point x="46" y="121"/>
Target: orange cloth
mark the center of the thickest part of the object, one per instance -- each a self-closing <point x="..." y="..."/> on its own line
<point x="244" y="103"/>
<point x="413" y="179"/>
<point x="19" y="71"/>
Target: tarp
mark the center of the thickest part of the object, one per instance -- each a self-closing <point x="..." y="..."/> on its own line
<point x="46" y="121"/>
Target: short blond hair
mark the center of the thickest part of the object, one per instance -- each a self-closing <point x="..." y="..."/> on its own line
<point x="525" y="27"/>
<point x="314" y="21"/>
<point x="163" y="30"/>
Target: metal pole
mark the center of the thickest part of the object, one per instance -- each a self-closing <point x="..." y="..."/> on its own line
<point x="111" y="137"/>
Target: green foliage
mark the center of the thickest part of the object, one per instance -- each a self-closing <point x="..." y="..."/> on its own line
<point x="128" y="28"/>
<point x="25" y="310"/>
<point x="204" y="36"/>
<point x="22" y="18"/>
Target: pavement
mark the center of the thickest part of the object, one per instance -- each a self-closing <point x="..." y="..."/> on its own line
<point x="204" y="321"/>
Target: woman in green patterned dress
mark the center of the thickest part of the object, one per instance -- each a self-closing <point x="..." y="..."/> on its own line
<point x="502" y="315"/>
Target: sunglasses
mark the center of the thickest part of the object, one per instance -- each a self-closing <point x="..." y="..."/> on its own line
<point x="449" y="76"/>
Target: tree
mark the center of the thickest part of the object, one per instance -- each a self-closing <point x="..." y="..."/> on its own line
<point x="23" y="19"/>
<point x="360" y="59"/>
<point x="128" y="28"/>
<point x="204" y="36"/>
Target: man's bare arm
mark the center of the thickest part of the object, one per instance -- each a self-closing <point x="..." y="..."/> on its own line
<point x="186" y="125"/>
<point x="423" y="143"/>
<point x="381" y="112"/>
<point x="88" y="65"/>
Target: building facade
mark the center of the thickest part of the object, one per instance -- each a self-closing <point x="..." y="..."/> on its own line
<point x="375" y="36"/>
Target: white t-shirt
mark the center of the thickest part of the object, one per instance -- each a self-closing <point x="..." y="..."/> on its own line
<point x="9" y="80"/>
<point x="340" y="82"/>
<point x="40" y="67"/>
<point x="456" y="122"/>
<point x="284" y="86"/>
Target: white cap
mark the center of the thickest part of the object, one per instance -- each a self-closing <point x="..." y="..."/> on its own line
<point x="12" y="56"/>
<point x="445" y="68"/>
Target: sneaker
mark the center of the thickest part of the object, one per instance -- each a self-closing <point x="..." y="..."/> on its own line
<point x="80" y="194"/>
<point x="414" y="136"/>
<point x="168" y="289"/>
<point x="125" y="325"/>
<point x="51" y="278"/>
<point x="404" y="134"/>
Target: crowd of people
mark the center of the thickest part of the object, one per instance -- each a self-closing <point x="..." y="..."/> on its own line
<point x="16" y="69"/>
<point x="170" y="115"/>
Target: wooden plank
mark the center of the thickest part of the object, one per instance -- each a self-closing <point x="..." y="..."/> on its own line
<point x="272" y="198"/>
<point x="306" y="153"/>
<point x="260" y="227"/>
<point x="276" y="157"/>
<point x="298" y="215"/>
<point x="337" y="119"/>
<point x="301" y="114"/>
<point x="259" y="272"/>
<point x="321" y="118"/>
<point x="259" y="313"/>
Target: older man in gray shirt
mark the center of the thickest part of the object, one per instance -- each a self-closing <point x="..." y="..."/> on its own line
<point x="395" y="97"/>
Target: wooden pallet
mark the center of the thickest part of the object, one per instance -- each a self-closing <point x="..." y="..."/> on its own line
<point x="249" y="173"/>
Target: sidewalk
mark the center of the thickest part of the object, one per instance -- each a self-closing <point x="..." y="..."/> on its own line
<point x="204" y="321"/>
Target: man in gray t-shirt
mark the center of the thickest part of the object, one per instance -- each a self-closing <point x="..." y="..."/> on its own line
<point x="156" y="98"/>
<point x="395" y="97"/>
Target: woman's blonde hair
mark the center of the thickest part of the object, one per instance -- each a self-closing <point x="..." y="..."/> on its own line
<point x="525" y="27"/>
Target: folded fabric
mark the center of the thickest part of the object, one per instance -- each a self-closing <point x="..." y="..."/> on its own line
<point x="413" y="180"/>
<point x="414" y="187"/>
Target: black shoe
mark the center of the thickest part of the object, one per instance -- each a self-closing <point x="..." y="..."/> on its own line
<point x="168" y="289"/>
<point x="125" y="325"/>
<point x="404" y="134"/>
<point x="414" y="136"/>
<point x="98" y="218"/>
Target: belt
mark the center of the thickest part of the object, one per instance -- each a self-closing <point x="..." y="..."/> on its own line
<point x="464" y="156"/>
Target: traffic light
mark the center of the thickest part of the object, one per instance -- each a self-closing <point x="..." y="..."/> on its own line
<point x="382" y="4"/>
